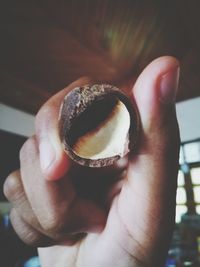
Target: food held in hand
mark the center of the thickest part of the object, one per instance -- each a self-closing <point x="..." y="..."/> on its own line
<point x="98" y="125"/>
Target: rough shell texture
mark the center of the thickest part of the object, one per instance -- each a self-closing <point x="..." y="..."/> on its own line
<point x="78" y="101"/>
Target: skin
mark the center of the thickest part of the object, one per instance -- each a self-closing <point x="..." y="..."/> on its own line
<point x="121" y="216"/>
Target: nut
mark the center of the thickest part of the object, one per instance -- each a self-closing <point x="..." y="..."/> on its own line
<point x="98" y="125"/>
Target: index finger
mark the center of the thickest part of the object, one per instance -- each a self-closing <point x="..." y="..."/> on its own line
<point x="53" y="160"/>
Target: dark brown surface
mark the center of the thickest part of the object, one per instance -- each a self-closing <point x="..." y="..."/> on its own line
<point x="87" y="107"/>
<point x="10" y="145"/>
<point x="45" y="45"/>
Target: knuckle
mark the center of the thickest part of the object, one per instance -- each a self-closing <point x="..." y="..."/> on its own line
<point x="27" y="214"/>
<point x="52" y="224"/>
<point x="56" y="218"/>
<point x="30" y="217"/>
<point x="30" y="237"/>
<point x="26" y="233"/>
<point x="12" y="188"/>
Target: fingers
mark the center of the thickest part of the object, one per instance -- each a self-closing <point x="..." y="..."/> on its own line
<point x="31" y="236"/>
<point x="58" y="210"/>
<point x="154" y="93"/>
<point x="14" y="192"/>
<point x="68" y="225"/>
<point x="50" y="201"/>
<point x="146" y="204"/>
<point x="23" y="219"/>
<point x="43" y="202"/>
<point x="27" y="233"/>
<point x="53" y="160"/>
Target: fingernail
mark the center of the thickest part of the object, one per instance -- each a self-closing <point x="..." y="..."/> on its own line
<point x="47" y="154"/>
<point x="169" y="85"/>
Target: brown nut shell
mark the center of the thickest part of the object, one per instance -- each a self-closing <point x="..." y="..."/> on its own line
<point x="85" y="109"/>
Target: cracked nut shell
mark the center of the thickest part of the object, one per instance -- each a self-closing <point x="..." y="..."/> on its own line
<point x="98" y="124"/>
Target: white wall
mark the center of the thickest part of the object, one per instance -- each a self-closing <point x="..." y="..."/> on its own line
<point x="16" y="121"/>
<point x="188" y="114"/>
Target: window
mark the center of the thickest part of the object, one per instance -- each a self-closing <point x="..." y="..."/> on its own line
<point x="192" y="152"/>
<point x="180" y="210"/>
<point x="195" y="175"/>
<point x="189" y="169"/>
<point x="181" y="181"/>
<point x="181" y="196"/>
<point x="181" y="156"/>
<point x="197" y="194"/>
<point x="198" y="209"/>
<point x="181" y="199"/>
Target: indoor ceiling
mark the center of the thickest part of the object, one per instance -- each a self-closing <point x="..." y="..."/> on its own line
<point x="45" y="45"/>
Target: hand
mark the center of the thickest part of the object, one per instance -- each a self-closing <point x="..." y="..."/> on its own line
<point x="117" y="216"/>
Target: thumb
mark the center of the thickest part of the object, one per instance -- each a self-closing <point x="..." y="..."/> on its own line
<point x="154" y="169"/>
<point x="53" y="160"/>
<point x="147" y="199"/>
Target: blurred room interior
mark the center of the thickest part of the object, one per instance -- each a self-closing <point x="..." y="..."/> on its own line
<point x="45" y="45"/>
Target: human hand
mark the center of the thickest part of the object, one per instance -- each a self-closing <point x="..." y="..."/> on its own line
<point x="115" y="216"/>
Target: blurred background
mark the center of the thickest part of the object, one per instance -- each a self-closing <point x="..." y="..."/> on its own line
<point x="47" y="44"/>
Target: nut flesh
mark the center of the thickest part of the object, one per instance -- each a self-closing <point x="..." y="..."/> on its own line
<point x="109" y="139"/>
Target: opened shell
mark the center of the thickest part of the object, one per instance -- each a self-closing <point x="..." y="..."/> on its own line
<point x="89" y="111"/>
